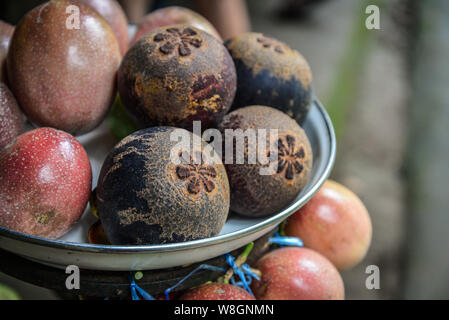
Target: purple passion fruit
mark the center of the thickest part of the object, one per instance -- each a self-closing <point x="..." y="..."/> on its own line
<point x="334" y="223"/>
<point x="175" y="75"/>
<point x="270" y="73"/>
<point x="113" y="13"/>
<point x="6" y="31"/>
<point x="11" y="118"/>
<point x="144" y="197"/>
<point x="217" y="291"/>
<point x="255" y="194"/>
<point x="64" y="77"/>
<point x="45" y="182"/>
<point x="174" y="15"/>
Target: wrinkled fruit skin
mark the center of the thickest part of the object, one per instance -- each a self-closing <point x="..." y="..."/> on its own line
<point x="11" y="118"/>
<point x="254" y="194"/>
<point x="63" y="78"/>
<point x="175" y="75"/>
<point x="173" y="15"/>
<point x="217" y="291"/>
<point x="335" y="223"/>
<point x="297" y="274"/>
<point x="270" y="73"/>
<point x="45" y="182"/>
<point x="145" y="198"/>
<point x="113" y="13"/>
<point x="6" y="32"/>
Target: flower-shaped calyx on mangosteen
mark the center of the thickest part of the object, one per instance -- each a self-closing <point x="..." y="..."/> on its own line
<point x="174" y="38"/>
<point x="270" y="42"/>
<point x="197" y="173"/>
<point x="289" y="159"/>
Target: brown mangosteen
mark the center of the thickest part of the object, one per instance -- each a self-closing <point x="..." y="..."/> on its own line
<point x="270" y="73"/>
<point x="175" y="75"/>
<point x="155" y="190"/>
<point x="11" y="118"/>
<point x="269" y="184"/>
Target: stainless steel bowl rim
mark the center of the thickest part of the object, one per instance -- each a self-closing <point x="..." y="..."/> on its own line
<point x="273" y="220"/>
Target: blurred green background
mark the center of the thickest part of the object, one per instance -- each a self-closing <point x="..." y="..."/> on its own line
<point x="387" y="92"/>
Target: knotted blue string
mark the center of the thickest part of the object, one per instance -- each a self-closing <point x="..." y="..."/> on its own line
<point x="200" y="267"/>
<point x="244" y="273"/>
<point x="285" y="241"/>
<point x="136" y="289"/>
<point x="249" y="276"/>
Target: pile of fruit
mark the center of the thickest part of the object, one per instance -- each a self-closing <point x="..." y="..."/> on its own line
<point x="62" y="69"/>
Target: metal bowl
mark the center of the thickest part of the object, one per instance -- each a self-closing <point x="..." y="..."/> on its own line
<point x="73" y="249"/>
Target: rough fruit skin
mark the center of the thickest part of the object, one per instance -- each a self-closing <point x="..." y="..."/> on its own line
<point x="11" y="118"/>
<point x="256" y="195"/>
<point x="170" y="16"/>
<point x="175" y="75"/>
<point x="143" y="197"/>
<point x="6" y="32"/>
<point x="270" y="73"/>
<point x="45" y="182"/>
<point x="297" y="274"/>
<point x="217" y="291"/>
<point x="113" y="13"/>
<point x="63" y="78"/>
<point x="335" y="223"/>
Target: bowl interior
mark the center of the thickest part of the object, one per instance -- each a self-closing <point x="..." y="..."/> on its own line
<point x="98" y="143"/>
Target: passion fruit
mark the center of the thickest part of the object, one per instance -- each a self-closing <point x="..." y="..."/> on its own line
<point x="297" y="274"/>
<point x="64" y="76"/>
<point x="45" y="182"/>
<point x="173" y="15"/>
<point x="146" y="196"/>
<point x="217" y="291"/>
<point x="11" y="118"/>
<point x="113" y="13"/>
<point x="335" y="223"/>
<point x="175" y="75"/>
<point x="258" y="188"/>
<point x="6" y="32"/>
<point x="270" y="73"/>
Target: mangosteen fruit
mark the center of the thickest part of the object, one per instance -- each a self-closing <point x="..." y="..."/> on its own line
<point x="270" y="73"/>
<point x="63" y="73"/>
<point x="153" y="189"/>
<point x="263" y="187"/>
<point x="175" y="75"/>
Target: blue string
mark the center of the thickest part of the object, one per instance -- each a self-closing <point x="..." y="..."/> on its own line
<point x="200" y="267"/>
<point x="135" y="289"/>
<point x="285" y="241"/>
<point x="244" y="273"/>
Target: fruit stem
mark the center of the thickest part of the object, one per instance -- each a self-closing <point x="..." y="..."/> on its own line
<point x="282" y="228"/>
<point x="239" y="261"/>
